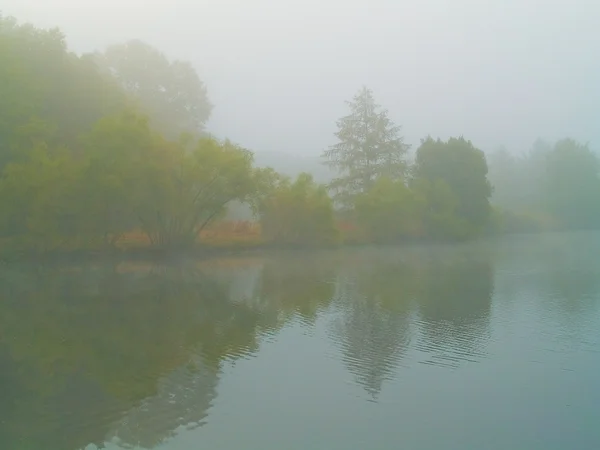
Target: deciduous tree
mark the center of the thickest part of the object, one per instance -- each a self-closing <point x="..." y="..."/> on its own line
<point x="463" y="168"/>
<point x="170" y="92"/>
<point x="298" y="213"/>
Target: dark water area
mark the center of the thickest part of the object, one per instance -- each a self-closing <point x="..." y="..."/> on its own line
<point x="488" y="345"/>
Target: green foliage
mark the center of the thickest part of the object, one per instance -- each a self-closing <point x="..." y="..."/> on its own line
<point x="440" y="217"/>
<point x="129" y="178"/>
<point x="81" y="166"/>
<point x="170" y="92"/>
<point x="369" y="147"/>
<point x="573" y="187"/>
<point x="464" y="170"/>
<point x="558" y="183"/>
<point x="98" y="146"/>
<point x="389" y="211"/>
<point x="169" y="190"/>
<point x="510" y="222"/>
<point x="124" y="159"/>
<point x="519" y="180"/>
<point x="46" y="92"/>
<point x="297" y="213"/>
<point x="41" y="206"/>
<point x="198" y="185"/>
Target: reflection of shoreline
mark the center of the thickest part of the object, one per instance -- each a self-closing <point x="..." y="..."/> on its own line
<point x="182" y="401"/>
<point x="440" y="300"/>
<point x="119" y="342"/>
<point x="129" y="331"/>
<point x="454" y="312"/>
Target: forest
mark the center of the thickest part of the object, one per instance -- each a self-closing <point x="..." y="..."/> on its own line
<point x="108" y="151"/>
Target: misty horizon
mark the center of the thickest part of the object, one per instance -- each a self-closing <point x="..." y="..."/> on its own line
<point x="279" y="73"/>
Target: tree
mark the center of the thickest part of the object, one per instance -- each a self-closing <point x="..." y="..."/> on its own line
<point x="46" y="93"/>
<point x="171" y="190"/>
<point x="127" y="165"/>
<point x="369" y="147"/>
<point x="439" y="217"/>
<point x="297" y="213"/>
<point x="504" y="176"/>
<point x="463" y="168"/>
<point x="550" y="186"/>
<point x="572" y="187"/>
<point x="518" y="179"/>
<point x="389" y="211"/>
<point x="20" y="97"/>
<point x="170" y="92"/>
<point x="193" y="190"/>
<point x="41" y="202"/>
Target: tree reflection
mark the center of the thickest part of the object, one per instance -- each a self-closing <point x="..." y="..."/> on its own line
<point x="182" y="400"/>
<point x="83" y="346"/>
<point x="373" y="329"/>
<point x="134" y="353"/>
<point x="442" y="295"/>
<point x="301" y="287"/>
<point x="454" y="298"/>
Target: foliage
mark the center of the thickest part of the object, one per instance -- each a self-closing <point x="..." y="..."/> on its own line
<point x="573" y="187"/>
<point x="106" y="151"/>
<point x="369" y="147"/>
<point x="41" y="206"/>
<point x="389" y="211"/>
<point x="510" y="222"/>
<point x="46" y="92"/>
<point x="126" y="164"/>
<point x="557" y="182"/>
<point x="172" y="191"/>
<point x="518" y="179"/>
<point x="170" y="92"/>
<point x="440" y="218"/>
<point x="297" y="213"/>
<point x="200" y="184"/>
<point x="463" y="168"/>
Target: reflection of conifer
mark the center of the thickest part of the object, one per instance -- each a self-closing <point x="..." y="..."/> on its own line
<point x="373" y="330"/>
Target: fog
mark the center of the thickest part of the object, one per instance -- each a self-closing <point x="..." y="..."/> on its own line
<point x="278" y="72"/>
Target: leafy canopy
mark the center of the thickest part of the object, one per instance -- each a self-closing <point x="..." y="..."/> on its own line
<point x="170" y="92"/>
<point x="463" y="168"/>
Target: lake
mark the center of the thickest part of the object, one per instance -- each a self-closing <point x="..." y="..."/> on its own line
<point x="487" y="345"/>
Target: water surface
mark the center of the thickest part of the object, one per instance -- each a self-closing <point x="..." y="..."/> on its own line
<point x="489" y="345"/>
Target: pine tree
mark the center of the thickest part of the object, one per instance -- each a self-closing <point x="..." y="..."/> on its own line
<point x="369" y="147"/>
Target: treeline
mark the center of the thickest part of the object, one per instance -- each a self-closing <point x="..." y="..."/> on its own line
<point x="96" y="146"/>
<point x="550" y="186"/>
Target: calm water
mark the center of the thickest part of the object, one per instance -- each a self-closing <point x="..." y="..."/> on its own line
<point x="492" y="345"/>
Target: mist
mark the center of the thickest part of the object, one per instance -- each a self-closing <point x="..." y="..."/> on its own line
<point x="279" y="72"/>
<point x="355" y="214"/>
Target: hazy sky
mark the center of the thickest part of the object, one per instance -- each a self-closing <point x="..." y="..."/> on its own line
<point x="279" y="71"/>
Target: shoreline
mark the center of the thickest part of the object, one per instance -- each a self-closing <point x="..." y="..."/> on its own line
<point x="204" y="252"/>
<point x="201" y="252"/>
<point x="208" y="252"/>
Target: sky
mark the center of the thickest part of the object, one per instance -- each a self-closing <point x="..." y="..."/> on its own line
<point x="498" y="72"/>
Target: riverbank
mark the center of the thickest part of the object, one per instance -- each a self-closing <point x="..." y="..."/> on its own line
<point x="224" y="240"/>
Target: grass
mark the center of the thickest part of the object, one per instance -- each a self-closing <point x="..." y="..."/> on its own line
<point x="232" y="235"/>
<point x="221" y="235"/>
